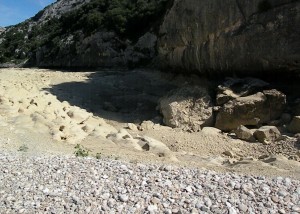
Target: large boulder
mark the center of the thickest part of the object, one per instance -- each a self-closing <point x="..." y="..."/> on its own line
<point x="241" y="107"/>
<point x="241" y="37"/>
<point x="294" y="126"/>
<point x="244" y="133"/>
<point x="189" y="108"/>
<point x="267" y="134"/>
<point x="235" y="87"/>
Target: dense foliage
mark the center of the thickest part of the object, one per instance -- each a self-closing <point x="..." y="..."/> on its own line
<point x="129" y="19"/>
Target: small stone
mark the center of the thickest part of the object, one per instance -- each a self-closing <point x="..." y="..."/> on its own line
<point x="287" y="181"/>
<point x="282" y="193"/>
<point x="263" y="157"/>
<point x="189" y="189"/>
<point x="111" y="203"/>
<point x="296" y="208"/>
<point x="194" y="211"/>
<point x="155" y="200"/>
<point x="204" y="209"/>
<point x="175" y="210"/>
<point x="198" y="205"/>
<point x="46" y="191"/>
<point x="165" y="205"/>
<point x="123" y="198"/>
<point x="168" y="168"/>
<point x="298" y="190"/>
<point x="229" y="153"/>
<point x="146" y="125"/>
<point x="152" y="208"/>
<point x="168" y="211"/>
<point x="281" y="211"/>
<point x="105" y="196"/>
<point x="124" y="167"/>
<point x="132" y="126"/>
<point x="275" y="199"/>
<point x="232" y="210"/>
<point x="243" y="207"/>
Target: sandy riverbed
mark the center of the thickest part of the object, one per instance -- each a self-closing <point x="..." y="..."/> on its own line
<point x="51" y="111"/>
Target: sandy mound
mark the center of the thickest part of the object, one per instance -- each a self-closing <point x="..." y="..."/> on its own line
<point x="27" y="107"/>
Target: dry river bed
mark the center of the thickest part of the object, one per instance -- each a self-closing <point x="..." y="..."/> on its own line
<point x="45" y="113"/>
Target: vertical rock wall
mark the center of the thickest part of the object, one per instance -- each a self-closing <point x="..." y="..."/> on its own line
<point x="240" y="36"/>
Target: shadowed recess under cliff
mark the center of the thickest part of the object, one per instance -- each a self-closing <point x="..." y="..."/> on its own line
<point x="117" y="95"/>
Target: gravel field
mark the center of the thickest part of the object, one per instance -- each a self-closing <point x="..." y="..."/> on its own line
<point x="65" y="184"/>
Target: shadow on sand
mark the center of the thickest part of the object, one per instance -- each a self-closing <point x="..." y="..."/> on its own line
<point x="123" y="96"/>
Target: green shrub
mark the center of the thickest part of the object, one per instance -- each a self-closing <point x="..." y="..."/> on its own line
<point x="23" y="148"/>
<point x="81" y="151"/>
<point x="129" y="19"/>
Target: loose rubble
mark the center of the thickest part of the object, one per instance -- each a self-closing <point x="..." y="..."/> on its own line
<point x="77" y="185"/>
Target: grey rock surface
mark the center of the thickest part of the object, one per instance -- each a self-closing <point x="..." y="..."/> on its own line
<point x="253" y="110"/>
<point x="58" y="8"/>
<point x="240" y="37"/>
<point x="189" y="108"/>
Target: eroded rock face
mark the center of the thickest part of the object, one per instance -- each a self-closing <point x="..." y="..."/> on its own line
<point x="241" y="107"/>
<point x="58" y="8"/>
<point x="247" y="37"/>
<point x="189" y="108"/>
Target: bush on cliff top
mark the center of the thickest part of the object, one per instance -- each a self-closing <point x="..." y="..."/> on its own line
<point x="129" y="19"/>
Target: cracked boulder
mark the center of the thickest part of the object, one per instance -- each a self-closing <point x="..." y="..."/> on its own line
<point x="248" y="109"/>
<point x="189" y="108"/>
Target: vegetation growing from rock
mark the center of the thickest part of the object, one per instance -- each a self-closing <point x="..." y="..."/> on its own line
<point x="129" y="19"/>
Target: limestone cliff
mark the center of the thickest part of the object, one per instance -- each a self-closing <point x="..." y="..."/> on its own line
<point x="208" y="37"/>
<point x="235" y="36"/>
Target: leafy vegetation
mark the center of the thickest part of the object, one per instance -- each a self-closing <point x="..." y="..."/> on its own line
<point x="129" y="19"/>
<point x="81" y="151"/>
<point x="125" y="17"/>
<point x="23" y="148"/>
